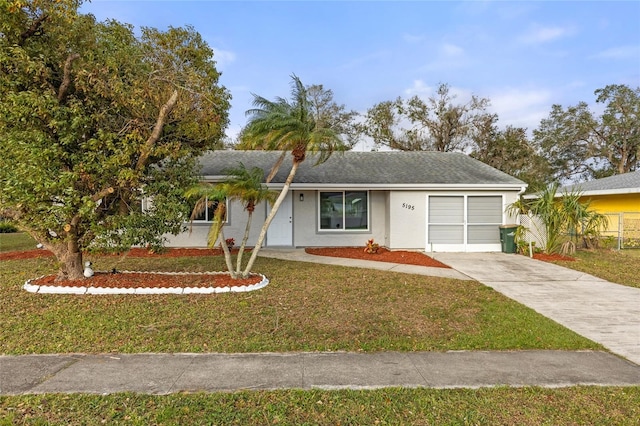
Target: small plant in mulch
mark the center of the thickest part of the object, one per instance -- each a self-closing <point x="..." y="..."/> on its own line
<point x="372" y="247"/>
<point x="230" y="243"/>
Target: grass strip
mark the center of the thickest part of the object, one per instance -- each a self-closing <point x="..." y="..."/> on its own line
<point x="495" y="406"/>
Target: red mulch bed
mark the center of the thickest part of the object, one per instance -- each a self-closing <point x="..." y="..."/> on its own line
<point x="552" y="257"/>
<point x="383" y="255"/>
<point x="150" y="280"/>
<point x="130" y="280"/>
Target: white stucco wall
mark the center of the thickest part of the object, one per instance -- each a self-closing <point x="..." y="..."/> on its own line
<point x="407" y="219"/>
<point x="233" y="229"/>
<point x="397" y="219"/>
<point x="305" y="223"/>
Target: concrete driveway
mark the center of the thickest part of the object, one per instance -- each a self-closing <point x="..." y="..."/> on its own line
<point x="604" y="312"/>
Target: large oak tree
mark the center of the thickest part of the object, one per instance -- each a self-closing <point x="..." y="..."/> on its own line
<point x="438" y="123"/>
<point x="94" y="117"/>
<point x="578" y="143"/>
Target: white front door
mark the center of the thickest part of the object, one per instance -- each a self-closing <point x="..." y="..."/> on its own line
<point x="280" y="231"/>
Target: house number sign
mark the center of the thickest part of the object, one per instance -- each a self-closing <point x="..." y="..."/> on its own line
<point x="408" y="206"/>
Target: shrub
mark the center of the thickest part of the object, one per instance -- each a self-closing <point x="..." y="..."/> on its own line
<point x="7" y="228"/>
<point x="372" y="247"/>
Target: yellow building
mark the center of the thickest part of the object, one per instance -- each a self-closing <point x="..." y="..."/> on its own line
<point x="618" y="197"/>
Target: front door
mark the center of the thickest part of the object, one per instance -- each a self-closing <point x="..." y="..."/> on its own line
<point x="280" y="231"/>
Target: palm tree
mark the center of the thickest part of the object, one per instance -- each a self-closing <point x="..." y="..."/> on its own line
<point x="243" y="185"/>
<point x="287" y="126"/>
<point x="562" y="214"/>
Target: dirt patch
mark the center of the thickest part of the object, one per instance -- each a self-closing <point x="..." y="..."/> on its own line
<point x="383" y="255"/>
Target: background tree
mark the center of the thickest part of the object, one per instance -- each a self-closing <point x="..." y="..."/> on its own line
<point x="437" y="124"/>
<point x="287" y="126"/>
<point x="617" y="136"/>
<point x="580" y="145"/>
<point x="511" y="151"/>
<point x="328" y="114"/>
<point x="92" y="118"/>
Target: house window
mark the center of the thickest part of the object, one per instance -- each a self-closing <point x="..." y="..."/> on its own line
<point x="344" y="211"/>
<point x="207" y="214"/>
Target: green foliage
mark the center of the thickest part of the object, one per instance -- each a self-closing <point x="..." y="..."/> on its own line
<point x="243" y="185"/>
<point x="579" y="144"/>
<point x="7" y="227"/>
<point x="510" y="151"/>
<point x="90" y="115"/>
<point x="563" y="214"/>
<point x="437" y="124"/>
<point x="285" y="126"/>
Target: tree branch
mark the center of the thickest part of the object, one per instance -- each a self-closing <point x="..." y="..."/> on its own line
<point x="35" y="26"/>
<point x="103" y="193"/>
<point x="66" y="79"/>
<point x="157" y="130"/>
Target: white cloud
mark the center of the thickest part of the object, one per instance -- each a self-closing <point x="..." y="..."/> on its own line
<point x="412" y="38"/>
<point x="451" y="50"/>
<point x="538" y="34"/>
<point x="419" y="88"/>
<point x="620" y="52"/>
<point x="223" y="57"/>
<point x="521" y="107"/>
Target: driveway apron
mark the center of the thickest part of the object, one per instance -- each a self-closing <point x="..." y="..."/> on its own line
<point x="602" y="311"/>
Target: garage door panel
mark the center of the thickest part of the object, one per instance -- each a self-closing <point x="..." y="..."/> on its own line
<point x="446" y="209"/>
<point x="483" y="234"/>
<point x="484" y="209"/>
<point x="446" y="234"/>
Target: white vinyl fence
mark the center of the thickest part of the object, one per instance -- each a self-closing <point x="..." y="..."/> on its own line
<point x="534" y="230"/>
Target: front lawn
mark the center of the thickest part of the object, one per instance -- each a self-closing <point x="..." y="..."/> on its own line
<point x="617" y="266"/>
<point x="16" y="241"/>
<point x="306" y="307"/>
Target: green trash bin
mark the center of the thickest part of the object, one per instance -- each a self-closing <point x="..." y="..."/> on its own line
<point x="508" y="238"/>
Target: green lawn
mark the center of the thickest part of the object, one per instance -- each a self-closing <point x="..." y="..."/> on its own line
<point x="494" y="406"/>
<point x="16" y="241"/>
<point x="306" y="307"/>
<point x="612" y="265"/>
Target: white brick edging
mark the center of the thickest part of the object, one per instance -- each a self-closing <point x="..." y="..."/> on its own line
<point x="52" y="289"/>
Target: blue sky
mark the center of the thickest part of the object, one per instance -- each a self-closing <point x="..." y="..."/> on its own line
<point x="523" y="56"/>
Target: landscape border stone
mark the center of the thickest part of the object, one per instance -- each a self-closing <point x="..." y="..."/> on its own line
<point x="51" y="289"/>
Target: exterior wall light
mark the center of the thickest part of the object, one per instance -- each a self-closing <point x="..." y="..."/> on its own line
<point x="301" y="197"/>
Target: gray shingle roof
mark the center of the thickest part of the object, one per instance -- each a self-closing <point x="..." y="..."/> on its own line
<point x="627" y="182"/>
<point x="391" y="168"/>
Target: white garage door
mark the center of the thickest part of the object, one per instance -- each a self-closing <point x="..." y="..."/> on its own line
<point x="464" y="223"/>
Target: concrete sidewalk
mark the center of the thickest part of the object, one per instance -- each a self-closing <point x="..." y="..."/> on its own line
<point x="171" y="373"/>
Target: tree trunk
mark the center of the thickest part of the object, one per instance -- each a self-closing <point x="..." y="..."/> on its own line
<point x="70" y="258"/>
<point x="272" y="214"/>
<point x="244" y="241"/>
<point x="227" y="255"/>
